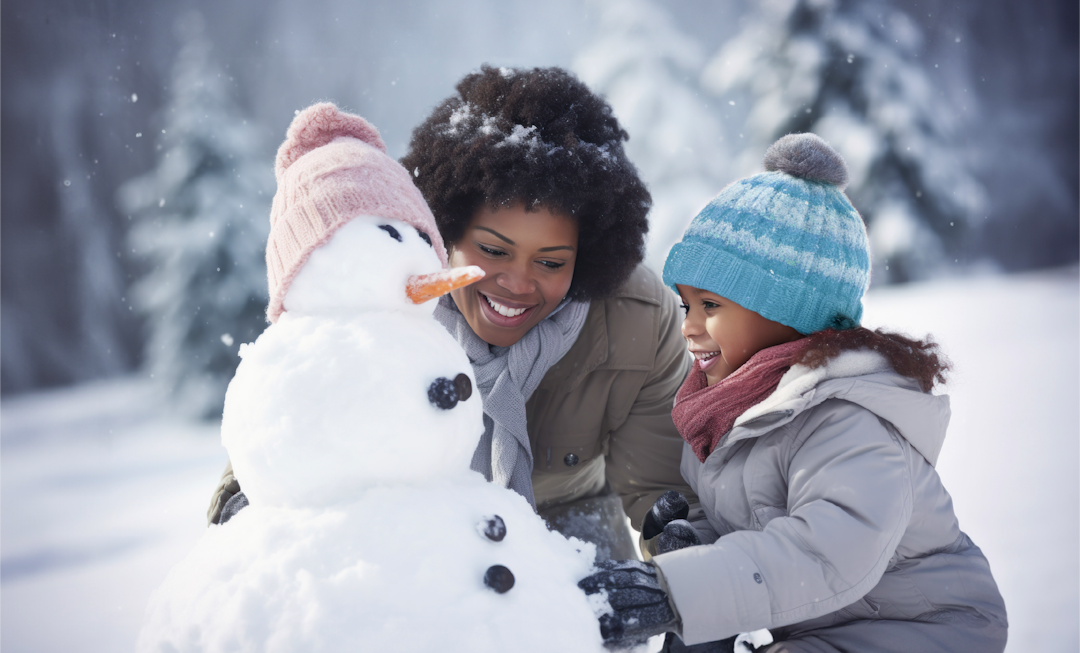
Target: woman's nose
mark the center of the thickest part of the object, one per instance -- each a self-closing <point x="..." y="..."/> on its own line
<point x="515" y="281"/>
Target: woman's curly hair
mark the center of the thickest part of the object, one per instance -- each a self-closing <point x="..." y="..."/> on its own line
<point x="920" y="360"/>
<point x="539" y="138"/>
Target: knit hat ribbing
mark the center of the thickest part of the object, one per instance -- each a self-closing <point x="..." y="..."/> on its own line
<point x="331" y="168"/>
<point x="786" y="243"/>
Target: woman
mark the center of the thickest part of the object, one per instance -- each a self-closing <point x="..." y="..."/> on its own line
<point x="575" y="346"/>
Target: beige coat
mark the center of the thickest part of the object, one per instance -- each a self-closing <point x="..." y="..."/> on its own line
<point x="601" y="417"/>
<point x="602" y="414"/>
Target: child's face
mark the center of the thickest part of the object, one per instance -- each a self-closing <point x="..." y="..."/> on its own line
<point x="723" y="335"/>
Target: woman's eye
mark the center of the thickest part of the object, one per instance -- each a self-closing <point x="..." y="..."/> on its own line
<point x="552" y="265"/>
<point x="685" y="308"/>
<point x="489" y="251"/>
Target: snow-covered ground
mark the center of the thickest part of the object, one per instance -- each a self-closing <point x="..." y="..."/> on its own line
<point x="102" y="493"/>
<point x="1012" y="457"/>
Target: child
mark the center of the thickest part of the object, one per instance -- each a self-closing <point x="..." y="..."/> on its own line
<point x="810" y="441"/>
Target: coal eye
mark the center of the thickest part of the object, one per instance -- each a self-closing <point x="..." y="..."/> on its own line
<point x="427" y="238"/>
<point x="390" y="230"/>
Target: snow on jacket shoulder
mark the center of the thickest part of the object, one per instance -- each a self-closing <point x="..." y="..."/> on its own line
<point x="823" y="507"/>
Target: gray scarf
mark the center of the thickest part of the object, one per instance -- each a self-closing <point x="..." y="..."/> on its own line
<point x="506" y="378"/>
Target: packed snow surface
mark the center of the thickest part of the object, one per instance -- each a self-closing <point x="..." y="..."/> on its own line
<point x="363" y="268"/>
<point x="103" y="493"/>
<point x="322" y="408"/>
<point x="400" y="569"/>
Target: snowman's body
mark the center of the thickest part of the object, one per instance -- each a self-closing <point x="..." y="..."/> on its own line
<point x="351" y="428"/>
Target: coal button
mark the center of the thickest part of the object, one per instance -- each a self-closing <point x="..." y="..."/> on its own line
<point x="463" y="386"/>
<point x="570" y="459"/>
<point x="493" y="528"/>
<point x="499" y="578"/>
<point x="443" y="393"/>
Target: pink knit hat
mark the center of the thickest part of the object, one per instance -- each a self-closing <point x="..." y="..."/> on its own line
<point x="331" y="168"/>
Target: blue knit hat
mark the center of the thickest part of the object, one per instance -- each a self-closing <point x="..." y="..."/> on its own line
<point x="785" y="243"/>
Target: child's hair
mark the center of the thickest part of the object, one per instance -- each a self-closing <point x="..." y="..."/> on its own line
<point x="541" y="138"/>
<point x="921" y="360"/>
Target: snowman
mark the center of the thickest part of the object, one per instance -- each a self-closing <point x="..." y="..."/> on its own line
<point x="351" y="423"/>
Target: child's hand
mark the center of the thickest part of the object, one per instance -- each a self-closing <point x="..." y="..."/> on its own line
<point x="670" y="506"/>
<point x="640" y="607"/>
<point x="677" y="534"/>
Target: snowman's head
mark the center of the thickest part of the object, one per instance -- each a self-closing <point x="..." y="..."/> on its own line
<point x="331" y="170"/>
<point x="369" y="264"/>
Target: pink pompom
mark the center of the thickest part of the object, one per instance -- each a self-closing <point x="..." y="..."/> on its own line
<point x="318" y="125"/>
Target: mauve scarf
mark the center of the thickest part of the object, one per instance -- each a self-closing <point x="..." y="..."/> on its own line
<point x="704" y="414"/>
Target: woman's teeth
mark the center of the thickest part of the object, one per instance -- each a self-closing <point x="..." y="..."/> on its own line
<point x="705" y="355"/>
<point x="505" y="311"/>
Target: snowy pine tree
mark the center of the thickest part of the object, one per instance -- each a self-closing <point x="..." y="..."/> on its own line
<point x="850" y="72"/>
<point x="649" y="71"/>
<point x="200" y="224"/>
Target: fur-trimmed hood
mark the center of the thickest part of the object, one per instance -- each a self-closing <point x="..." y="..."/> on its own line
<point x="862" y="377"/>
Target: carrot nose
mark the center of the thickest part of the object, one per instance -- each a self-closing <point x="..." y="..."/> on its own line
<point x="423" y="287"/>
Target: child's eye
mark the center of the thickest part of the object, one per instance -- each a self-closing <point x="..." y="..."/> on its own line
<point x="709" y="305"/>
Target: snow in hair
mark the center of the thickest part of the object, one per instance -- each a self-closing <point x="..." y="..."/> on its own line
<point x="807" y="156"/>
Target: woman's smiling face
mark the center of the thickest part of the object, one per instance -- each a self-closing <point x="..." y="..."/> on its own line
<point x="528" y="258"/>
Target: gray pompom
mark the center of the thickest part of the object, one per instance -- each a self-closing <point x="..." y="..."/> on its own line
<point x="808" y="157"/>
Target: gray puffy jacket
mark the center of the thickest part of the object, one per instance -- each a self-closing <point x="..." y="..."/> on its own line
<point x="825" y="519"/>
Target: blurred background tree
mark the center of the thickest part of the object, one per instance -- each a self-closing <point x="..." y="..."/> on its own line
<point x="853" y="73"/>
<point x="648" y="70"/>
<point x="985" y="94"/>
<point x="199" y="228"/>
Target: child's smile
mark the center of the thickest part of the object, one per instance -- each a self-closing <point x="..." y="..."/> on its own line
<point x="705" y="359"/>
<point x="722" y="335"/>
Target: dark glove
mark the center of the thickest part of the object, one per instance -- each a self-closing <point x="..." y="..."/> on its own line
<point x="640" y="608"/>
<point x="235" y="504"/>
<point x="670" y="506"/>
<point x="672" y="644"/>
<point x="678" y="534"/>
